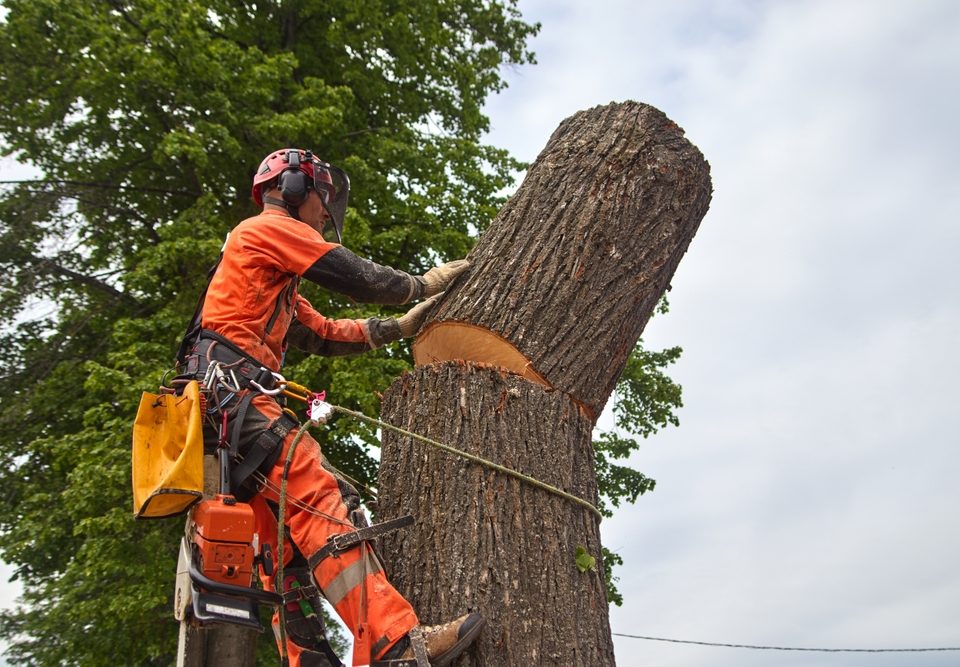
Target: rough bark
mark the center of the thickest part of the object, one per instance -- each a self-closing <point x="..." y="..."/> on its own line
<point x="489" y="543"/>
<point x="573" y="266"/>
<point x="559" y="290"/>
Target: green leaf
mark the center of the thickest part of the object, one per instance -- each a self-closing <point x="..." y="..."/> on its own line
<point x="585" y="562"/>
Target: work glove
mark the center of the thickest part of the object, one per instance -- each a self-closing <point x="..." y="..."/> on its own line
<point x="414" y="318"/>
<point x="436" y="279"/>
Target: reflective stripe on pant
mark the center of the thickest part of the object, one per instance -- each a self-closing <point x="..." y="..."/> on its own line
<point x="355" y="585"/>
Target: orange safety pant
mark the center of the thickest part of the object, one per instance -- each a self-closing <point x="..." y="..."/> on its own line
<point x="352" y="581"/>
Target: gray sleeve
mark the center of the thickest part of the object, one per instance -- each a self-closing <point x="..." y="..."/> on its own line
<point x="362" y="280"/>
<point x="300" y="336"/>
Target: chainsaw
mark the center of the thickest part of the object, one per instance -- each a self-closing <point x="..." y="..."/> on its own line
<point x="218" y="558"/>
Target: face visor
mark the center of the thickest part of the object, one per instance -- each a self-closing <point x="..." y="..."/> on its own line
<point x="333" y="186"/>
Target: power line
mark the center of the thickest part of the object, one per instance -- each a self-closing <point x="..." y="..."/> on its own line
<point x="106" y="186"/>
<point x="791" y="648"/>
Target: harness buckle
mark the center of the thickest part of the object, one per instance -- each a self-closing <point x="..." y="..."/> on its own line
<point x="337" y="544"/>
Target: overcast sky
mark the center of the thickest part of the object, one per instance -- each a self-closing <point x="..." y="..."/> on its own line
<point x="809" y="497"/>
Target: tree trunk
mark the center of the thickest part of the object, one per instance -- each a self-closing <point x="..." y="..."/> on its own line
<point x="559" y="290"/>
<point x="489" y="543"/>
<point x="564" y="280"/>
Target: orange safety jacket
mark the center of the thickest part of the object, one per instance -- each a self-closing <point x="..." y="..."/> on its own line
<point x="253" y="301"/>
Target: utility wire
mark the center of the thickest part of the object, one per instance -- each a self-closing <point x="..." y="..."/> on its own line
<point x="791" y="648"/>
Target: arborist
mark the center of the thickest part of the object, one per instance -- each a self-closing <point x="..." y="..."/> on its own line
<point x="250" y="312"/>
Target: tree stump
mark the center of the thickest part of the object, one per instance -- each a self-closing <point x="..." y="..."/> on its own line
<point x="515" y="365"/>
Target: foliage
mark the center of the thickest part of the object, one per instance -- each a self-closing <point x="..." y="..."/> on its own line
<point x="147" y="118"/>
<point x="585" y="562"/>
<point x="645" y="402"/>
<point x="611" y="560"/>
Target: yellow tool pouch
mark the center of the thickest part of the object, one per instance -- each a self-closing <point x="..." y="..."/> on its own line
<point x="167" y="454"/>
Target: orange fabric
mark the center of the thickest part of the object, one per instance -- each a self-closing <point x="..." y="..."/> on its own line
<point x="387" y="613"/>
<point x="344" y="331"/>
<point x="257" y="281"/>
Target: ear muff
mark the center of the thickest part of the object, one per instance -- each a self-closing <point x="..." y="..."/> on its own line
<point x="293" y="185"/>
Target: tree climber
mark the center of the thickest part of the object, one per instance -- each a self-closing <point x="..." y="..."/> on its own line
<point x="249" y="313"/>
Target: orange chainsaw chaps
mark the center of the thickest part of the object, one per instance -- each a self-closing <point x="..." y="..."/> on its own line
<point x="353" y="581"/>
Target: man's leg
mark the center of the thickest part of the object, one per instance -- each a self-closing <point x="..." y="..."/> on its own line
<point x="304" y="629"/>
<point x="352" y="581"/>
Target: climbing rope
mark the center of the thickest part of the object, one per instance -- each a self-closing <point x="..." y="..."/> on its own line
<point x="451" y="450"/>
<point x="280" y="516"/>
<point x="470" y="457"/>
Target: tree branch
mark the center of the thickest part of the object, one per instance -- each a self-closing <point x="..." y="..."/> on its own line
<point x="89" y="281"/>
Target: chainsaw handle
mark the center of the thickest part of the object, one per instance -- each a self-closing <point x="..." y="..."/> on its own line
<point x="260" y="596"/>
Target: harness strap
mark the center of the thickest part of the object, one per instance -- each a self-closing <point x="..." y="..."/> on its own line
<point x="263" y="448"/>
<point x="220" y="349"/>
<point x="344" y="541"/>
<point x="301" y="592"/>
<point x="238" y="419"/>
<point x="193" y="328"/>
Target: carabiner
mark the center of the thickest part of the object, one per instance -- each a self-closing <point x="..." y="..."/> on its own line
<point x="210" y="375"/>
<point x="281" y="384"/>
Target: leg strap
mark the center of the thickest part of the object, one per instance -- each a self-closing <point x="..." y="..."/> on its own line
<point x="302" y="593"/>
<point x="337" y="544"/>
<point x="259" y="454"/>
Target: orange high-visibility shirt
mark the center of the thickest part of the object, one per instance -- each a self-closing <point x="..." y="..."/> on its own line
<point x="252" y="299"/>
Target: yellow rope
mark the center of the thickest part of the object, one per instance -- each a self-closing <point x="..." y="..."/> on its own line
<point x="304" y="394"/>
<point x="470" y="457"/>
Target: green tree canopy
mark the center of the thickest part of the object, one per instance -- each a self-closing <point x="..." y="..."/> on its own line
<point x="147" y="119"/>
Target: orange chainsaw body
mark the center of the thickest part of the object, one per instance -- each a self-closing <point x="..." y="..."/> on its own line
<point x="224" y="535"/>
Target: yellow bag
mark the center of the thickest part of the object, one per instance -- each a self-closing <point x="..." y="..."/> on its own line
<point x="167" y="454"/>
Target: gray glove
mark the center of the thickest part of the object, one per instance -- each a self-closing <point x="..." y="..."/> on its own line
<point x="414" y="318"/>
<point x="436" y="279"/>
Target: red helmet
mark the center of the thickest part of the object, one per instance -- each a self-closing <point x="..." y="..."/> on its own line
<point x="298" y="171"/>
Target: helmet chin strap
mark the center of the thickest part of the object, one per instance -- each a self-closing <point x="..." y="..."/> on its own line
<point x="294" y="211"/>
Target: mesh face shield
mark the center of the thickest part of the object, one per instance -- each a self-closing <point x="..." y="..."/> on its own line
<point x="333" y="193"/>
